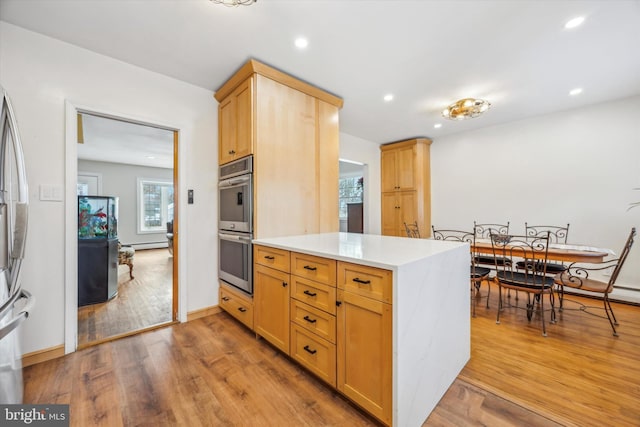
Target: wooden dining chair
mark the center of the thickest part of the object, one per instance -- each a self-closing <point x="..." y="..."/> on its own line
<point x="477" y="274"/>
<point x="534" y="282"/>
<point x="412" y="230"/>
<point x="586" y="278"/>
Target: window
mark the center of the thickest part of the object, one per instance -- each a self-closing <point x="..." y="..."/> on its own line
<point x="155" y="205"/>
<point x="350" y="191"/>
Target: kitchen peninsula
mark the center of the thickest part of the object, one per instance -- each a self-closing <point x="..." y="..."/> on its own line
<point x="385" y="320"/>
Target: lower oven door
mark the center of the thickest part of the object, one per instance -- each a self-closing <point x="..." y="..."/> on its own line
<point x="235" y="260"/>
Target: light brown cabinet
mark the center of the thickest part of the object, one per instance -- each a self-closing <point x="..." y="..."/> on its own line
<point x="292" y="130"/>
<point x="364" y="333"/>
<point x="237" y="304"/>
<point x="271" y="304"/>
<point x="406" y="186"/>
<point x="235" y="118"/>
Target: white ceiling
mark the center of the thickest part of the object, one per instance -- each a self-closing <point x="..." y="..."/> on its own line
<point x="516" y="54"/>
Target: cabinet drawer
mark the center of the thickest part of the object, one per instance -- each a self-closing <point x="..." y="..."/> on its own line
<point x="236" y="305"/>
<point x="321" y="270"/>
<point x="317" y="321"/>
<point x="316" y="294"/>
<point x="367" y="281"/>
<point x="316" y="354"/>
<point x="271" y="257"/>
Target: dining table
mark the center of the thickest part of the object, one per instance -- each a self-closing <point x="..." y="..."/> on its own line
<point x="557" y="251"/>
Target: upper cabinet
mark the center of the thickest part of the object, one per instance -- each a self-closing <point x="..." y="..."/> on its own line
<point x="235" y="116"/>
<point x="406" y="186"/>
<point x="292" y="130"/>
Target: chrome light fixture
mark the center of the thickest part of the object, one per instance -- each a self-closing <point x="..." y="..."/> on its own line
<point x="466" y="108"/>
<point x="234" y="3"/>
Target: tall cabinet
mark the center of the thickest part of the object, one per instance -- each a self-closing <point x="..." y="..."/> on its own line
<point x="406" y="186"/>
<point x="291" y="128"/>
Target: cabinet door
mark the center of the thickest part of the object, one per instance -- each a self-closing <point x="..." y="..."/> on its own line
<point x="364" y="353"/>
<point x="236" y="124"/>
<point x="408" y="212"/>
<point x="405" y="174"/>
<point x="227" y="129"/>
<point x="271" y="306"/>
<point x="390" y="215"/>
<point x="244" y="118"/>
<point x="388" y="170"/>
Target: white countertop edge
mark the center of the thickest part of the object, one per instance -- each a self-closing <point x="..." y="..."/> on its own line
<point x="373" y="250"/>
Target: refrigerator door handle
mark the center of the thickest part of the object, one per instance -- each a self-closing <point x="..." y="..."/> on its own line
<point x="23" y="314"/>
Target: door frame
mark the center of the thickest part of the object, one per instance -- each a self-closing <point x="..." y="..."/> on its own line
<point x="179" y="306"/>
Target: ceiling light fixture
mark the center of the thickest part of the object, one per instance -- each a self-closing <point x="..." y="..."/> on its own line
<point x="575" y="22"/>
<point x="301" y="42"/>
<point x="388" y="98"/>
<point x="437" y="125"/>
<point x="465" y="108"/>
<point x="576" y="91"/>
<point x="234" y="3"/>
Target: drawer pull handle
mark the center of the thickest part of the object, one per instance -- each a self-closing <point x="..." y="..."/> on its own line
<point x="308" y="267"/>
<point x="364" y="282"/>
<point x="269" y="257"/>
<point x="242" y="309"/>
<point x="311" y="294"/>
<point x="225" y="298"/>
<point x="306" y="347"/>
<point x="308" y="319"/>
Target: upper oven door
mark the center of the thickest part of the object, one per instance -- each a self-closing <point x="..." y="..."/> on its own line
<point x="235" y="204"/>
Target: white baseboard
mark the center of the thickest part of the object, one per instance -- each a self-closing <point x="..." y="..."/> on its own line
<point x="152" y="245"/>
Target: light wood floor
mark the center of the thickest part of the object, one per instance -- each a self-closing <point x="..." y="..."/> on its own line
<point x="141" y="302"/>
<point x="212" y="371"/>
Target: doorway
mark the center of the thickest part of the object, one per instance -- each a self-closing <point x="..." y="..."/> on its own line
<point x="137" y="167"/>
<point x="351" y="196"/>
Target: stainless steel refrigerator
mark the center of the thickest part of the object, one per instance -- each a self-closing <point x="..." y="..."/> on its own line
<point x="15" y="302"/>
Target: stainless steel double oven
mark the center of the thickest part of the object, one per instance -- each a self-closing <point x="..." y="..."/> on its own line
<point x="235" y="223"/>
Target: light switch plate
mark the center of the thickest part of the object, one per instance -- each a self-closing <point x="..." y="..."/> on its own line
<point x="50" y="192"/>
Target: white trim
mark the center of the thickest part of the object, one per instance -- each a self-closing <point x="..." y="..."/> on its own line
<point x="96" y="175"/>
<point x="71" y="209"/>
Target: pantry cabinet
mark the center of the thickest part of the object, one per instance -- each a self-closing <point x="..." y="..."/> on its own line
<point x="406" y="186"/>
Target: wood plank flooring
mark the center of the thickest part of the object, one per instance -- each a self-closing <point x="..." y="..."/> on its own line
<point x="213" y="371"/>
<point x="141" y="302"/>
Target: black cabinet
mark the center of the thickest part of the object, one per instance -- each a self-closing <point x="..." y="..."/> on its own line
<point x="97" y="270"/>
<point x="354" y="218"/>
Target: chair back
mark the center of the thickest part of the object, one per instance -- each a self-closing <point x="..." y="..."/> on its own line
<point x="578" y="274"/>
<point x="557" y="234"/>
<point x="484" y="231"/>
<point x="453" y="235"/>
<point x="532" y="252"/>
<point x="412" y="230"/>
<point x="623" y="257"/>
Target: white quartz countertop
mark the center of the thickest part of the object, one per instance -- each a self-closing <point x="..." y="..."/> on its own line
<point x="369" y="249"/>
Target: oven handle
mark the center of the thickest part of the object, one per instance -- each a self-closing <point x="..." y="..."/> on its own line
<point x="235" y="182"/>
<point x="234" y="237"/>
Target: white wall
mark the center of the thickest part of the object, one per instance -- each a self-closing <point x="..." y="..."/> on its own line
<point x="576" y="167"/>
<point x="121" y="180"/>
<point x="368" y="153"/>
<point x="40" y="74"/>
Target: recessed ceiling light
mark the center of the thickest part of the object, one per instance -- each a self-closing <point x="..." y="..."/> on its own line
<point x="576" y="91"/>
<point x="388" y="97"/>
<point x="437" y="125"/>
<point x="151" y="157"/>
<point x="575" y="22"/>
<point x="301" y="43"/>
